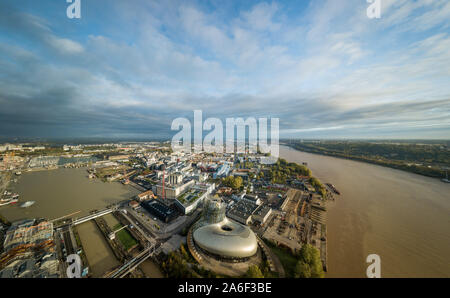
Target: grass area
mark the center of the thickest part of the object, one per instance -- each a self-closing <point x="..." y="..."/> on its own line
<point x="125" y="237"/>
<point x="287" y="259"/>
<point x="109" y="171"/>
<point x="189" y="197"/>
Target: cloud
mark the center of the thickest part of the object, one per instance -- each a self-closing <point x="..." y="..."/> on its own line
<point x="35" y="29"/>
<point x="325" y="69"/>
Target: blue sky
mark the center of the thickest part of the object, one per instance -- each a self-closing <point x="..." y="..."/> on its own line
<point x="128" y="68"/>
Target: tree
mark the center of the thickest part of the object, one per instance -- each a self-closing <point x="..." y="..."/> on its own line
<point x="184" y="252"/>
<point x="254" y="272"/>
<point x="318" y="186"/>
<point x="309" y="264"/>
<point x="233" y="182"/>
<point x="302" y="270"/>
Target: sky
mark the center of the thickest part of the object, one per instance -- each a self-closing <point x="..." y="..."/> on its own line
<point x="129" y="68"/>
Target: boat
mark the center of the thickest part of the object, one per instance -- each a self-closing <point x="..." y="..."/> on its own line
<point x="18" y="173"/>
<point x="446" y="180"/>
<point x="333" y="188"/>
<point x="27" y="204"/>
<point x="4" y="202"/>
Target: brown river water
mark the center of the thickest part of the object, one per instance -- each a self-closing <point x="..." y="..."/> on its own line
<point x="61" y="192"/>
<point x="402" y="217"/>
<point x="64" y="191"/>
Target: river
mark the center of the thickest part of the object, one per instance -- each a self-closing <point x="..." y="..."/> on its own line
<point x="402" y="217"/>
<point x="63" y="191"/>
<point x="100" y="257"/>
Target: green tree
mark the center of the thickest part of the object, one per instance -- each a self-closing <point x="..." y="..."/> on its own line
<point x="318" y="186"/>
<point x="302" y="270"/>
<point x="309" y="264"/>
<point x="184" y="252"/>
<point x="254" y="272"/>
<point x="233" y="182"/>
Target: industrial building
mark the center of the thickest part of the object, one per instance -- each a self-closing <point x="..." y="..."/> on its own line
<point x="159" y="210"/>
<point x="261" y="214"/>
<point x="249" y="209"/>
<point x="252" y="199"/>
<point x="172" y="191"/>
<point x="242" y="211"/>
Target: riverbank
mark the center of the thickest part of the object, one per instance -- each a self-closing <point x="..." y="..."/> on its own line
<point x="404" y="166"/>
<point x="401" y="216"/>
<point x="5" y="178"/>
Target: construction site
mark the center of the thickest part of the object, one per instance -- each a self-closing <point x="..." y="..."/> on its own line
<point x="29" y="250"/>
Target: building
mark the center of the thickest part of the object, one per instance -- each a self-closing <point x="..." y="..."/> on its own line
<point x="252" y="199"/>
<point x="242" y="211"/>
<point x="249" y="209"/>
<point x="119" y="157"/>
<point x="241" y="174"/>
<point x="222" y="171"/>
<point x="146" y="195"/>
<point x="27" y="232"/>
<point x="190" y="200"/>
<point x="199" y="176"/>
<point x="133" y="204"/>
<point x="44" y="267"/>
<point x="261" y="214"/>
<point x="172" y="191"/>
<point x="175" y="179"/>
<point x="221" y="237"/>
<point x="29" y="251"/>
<point x="285" y="201"/>
<point x="159" y="210"/>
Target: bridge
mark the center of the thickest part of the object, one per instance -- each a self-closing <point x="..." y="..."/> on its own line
<point x="133" y="263"/>
<point x="112" y="235"/>
<point x="93" y="215"/>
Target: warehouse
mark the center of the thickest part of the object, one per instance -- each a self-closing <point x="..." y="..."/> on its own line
<point x="159" y="210"/>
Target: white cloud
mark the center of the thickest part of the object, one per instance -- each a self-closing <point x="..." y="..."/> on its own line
<point x="64" y="45"/>
<point x="332" y="69"/>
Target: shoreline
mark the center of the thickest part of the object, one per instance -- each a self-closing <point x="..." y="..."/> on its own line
<point x="379" y="214"/>
<point x="5" y="180"/>
<point x="384" y="165"/>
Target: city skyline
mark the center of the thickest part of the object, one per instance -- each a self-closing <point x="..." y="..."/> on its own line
<point x="127" y="70"/>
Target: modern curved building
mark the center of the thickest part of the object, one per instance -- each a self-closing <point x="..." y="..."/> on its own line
<point x="222" y="237"/>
